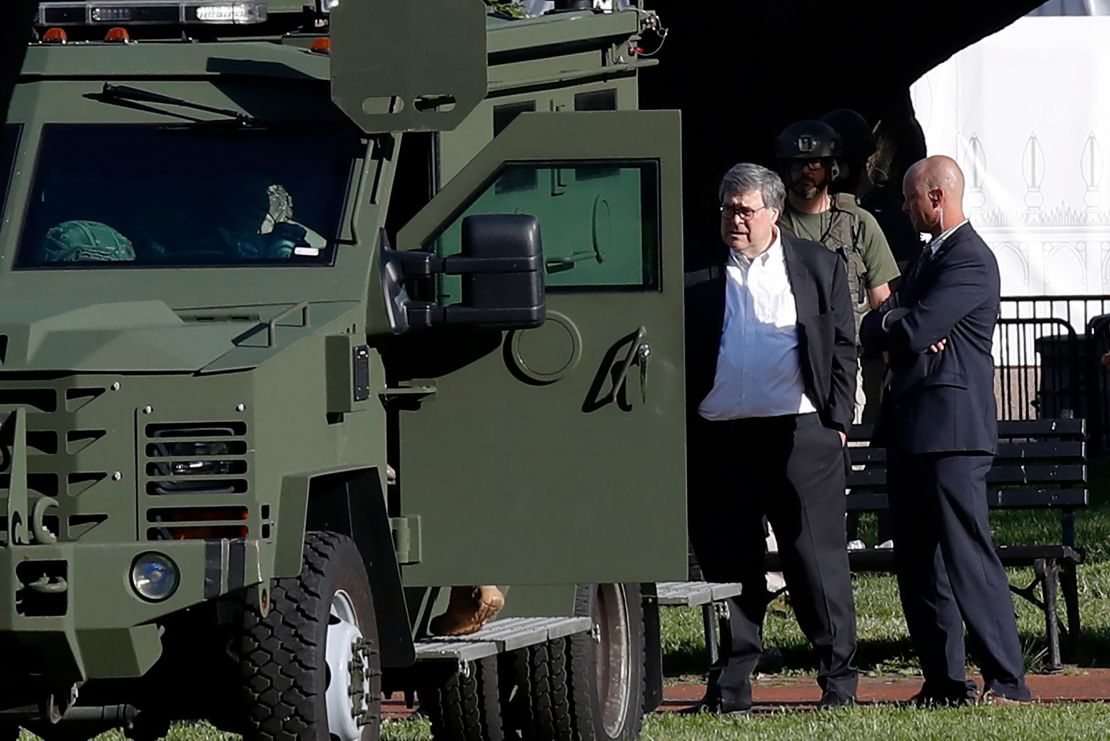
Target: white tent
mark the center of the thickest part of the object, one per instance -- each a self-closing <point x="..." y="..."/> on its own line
<point x="1026" y="113"/>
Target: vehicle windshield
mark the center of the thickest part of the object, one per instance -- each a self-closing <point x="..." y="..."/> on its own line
<point x="154" y="196"/>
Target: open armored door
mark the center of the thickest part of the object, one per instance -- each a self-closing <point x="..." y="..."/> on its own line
<point x="556" y="454"/>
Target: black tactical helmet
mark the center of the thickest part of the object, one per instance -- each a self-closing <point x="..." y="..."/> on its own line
<point x="857" y="143"/>
<point x="807" y="140"/>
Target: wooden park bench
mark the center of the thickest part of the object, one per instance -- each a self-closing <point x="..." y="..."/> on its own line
<point x="1041" y="464"/>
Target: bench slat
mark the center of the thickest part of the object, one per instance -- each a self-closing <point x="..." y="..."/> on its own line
<point x="867" y="477"/>
<point x="1056" y="450"/>
<point x="1025" y="555"/>
<point x="1042" y="428"/>
<point x="1037" y="498"/>
<point x="1037" y="473"/>
<point x="882" y="559"/>
<point x="1060" y="451"/>
<point x="1055" y="428"/>
<point x="1029" y="474"/>
<point x="1042" y="498"/>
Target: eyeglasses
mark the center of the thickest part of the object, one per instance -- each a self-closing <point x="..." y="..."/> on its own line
<point x="745" y="214"/>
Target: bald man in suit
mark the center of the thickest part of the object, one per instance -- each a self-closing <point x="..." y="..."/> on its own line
<point x="939" y="425"/>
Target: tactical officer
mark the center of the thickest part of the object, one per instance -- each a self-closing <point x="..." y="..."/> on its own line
<point x="857" y="144"/>
<point x="259" y="225"/>
<point x="807" y="152"/>
<point x="858" y="162"/>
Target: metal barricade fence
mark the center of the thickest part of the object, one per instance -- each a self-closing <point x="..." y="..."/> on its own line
<point x="1037" y="369"/>
<point x="1047" y="351"/>
<point x="1098" y="385"/>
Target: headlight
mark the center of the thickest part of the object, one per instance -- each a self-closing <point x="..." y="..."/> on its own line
<point x="154" y="577"/>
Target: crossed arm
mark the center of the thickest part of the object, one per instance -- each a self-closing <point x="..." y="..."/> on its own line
<point x="956" y="292"/>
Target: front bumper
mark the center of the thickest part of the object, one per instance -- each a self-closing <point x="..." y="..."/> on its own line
<point x="88" y="622"/>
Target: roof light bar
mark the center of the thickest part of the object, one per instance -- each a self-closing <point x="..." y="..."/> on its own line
<point x="151" y="12"/>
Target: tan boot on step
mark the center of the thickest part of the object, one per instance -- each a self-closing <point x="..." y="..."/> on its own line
<point x="468" y="609"/>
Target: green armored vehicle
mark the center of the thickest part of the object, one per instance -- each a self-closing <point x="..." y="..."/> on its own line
<point x="308" y="313"/>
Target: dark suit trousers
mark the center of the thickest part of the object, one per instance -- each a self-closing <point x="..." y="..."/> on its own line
<point x="791" y="470"/>
<point x="949" y="575"/>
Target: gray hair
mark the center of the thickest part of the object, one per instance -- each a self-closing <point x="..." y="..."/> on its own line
<point x="747" y="177"/>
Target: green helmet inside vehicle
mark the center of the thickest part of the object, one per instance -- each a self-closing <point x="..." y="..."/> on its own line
<point x="81" y="240"/>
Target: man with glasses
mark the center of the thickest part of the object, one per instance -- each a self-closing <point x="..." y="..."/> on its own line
<point x="771" y="363"/>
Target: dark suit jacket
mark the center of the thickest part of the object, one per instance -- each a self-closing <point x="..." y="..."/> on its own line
<point x="942" y="402"/>
<point x="826" y="328"/>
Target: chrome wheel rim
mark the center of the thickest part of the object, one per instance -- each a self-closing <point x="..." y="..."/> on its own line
<point x="348" y="671"/>
<point x="614" y="657"/>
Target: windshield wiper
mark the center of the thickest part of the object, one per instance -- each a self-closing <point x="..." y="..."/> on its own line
<point x="126" y="92"/>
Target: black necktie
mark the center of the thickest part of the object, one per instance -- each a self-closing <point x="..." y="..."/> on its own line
<point x="918" y="266"/>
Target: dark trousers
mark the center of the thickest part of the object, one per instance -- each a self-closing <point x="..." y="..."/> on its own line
<point x="791" y="470"/>
<point x="949" y="575"/>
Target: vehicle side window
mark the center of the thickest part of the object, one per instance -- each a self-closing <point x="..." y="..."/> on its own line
<point x="599" y="222"/>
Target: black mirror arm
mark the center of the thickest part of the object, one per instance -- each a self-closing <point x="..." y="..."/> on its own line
<point x="425" y="264"/>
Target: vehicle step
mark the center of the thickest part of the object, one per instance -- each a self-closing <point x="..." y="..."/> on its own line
<point x="694" y="593"/>
<point x="499" y="636"/>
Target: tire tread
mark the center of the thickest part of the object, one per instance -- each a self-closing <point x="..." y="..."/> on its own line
<point x="280" y="682"/>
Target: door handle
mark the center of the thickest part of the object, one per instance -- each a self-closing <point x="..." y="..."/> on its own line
<point x="634" y="353"/>
<point x="643" y="355"/>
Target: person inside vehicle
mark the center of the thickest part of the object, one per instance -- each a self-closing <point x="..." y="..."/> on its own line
<point x="261" y="226"/>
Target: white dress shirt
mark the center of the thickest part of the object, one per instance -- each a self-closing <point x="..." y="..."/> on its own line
<point x="936" y="243"/>
<point x="759" y="372"/>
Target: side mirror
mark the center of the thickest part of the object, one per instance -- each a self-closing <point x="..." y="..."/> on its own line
<point x="503" y="277"/>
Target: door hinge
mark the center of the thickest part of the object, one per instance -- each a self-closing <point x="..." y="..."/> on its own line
<point x="406" y="538"/>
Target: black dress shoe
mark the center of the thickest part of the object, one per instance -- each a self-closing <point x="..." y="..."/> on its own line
<point x="830" y="700"/>
<point x="717" y="707"/>
<point x="925" y="699"/>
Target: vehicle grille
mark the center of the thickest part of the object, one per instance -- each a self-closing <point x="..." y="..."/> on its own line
<point x="186" y="465"/>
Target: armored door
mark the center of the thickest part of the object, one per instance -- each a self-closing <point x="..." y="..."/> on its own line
<point x="556" y="454"/>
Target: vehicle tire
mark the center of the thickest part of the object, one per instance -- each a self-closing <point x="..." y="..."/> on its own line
<point x="463" y="707"/>
<point x="311" y="668"/>
<point x="535" y="692"/>
<point x="606" y="665"/>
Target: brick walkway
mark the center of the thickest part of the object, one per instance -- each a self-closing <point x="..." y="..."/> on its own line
<point x="1078" y="685"/>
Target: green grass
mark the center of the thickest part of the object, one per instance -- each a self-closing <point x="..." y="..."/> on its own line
<point x="1004" y="724"/>
<point x="884" y="646"/>
<point x="1090" y="721"/>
